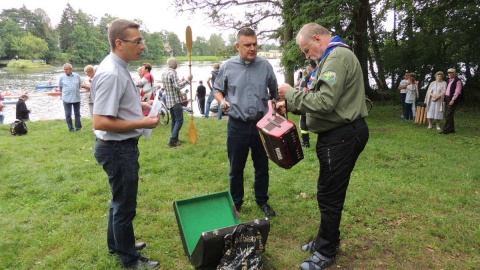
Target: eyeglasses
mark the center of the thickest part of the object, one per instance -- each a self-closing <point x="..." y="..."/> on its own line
<point x="136" y="41"/>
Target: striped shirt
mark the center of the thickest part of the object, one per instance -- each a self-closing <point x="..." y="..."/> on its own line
<point x="172" y="87"/>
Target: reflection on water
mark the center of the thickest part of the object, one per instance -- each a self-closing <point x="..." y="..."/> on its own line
<point x="45" y="107"/>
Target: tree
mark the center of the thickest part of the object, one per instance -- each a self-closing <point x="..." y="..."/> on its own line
<point x="66" y="27"/>
<point x="31" y="47"/>
<point x="155" y="46"/>
<point x="200" y="47"/>
<point x="9" y="35"/>
<point x="216" y="44"/>
<point x="174" y="43"/>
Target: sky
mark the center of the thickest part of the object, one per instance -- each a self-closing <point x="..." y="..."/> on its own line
<point x="156" y="15"/>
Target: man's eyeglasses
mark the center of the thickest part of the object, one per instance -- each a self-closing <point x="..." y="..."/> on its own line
<point x="305" y="51"/>
<point x="136" y="41"/>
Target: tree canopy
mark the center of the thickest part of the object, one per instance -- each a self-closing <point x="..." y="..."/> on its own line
<point x="423" y="37"/>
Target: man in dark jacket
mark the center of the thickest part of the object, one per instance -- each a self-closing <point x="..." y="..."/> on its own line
<point x="454" y="90"/>
<point x="22" y="113"/>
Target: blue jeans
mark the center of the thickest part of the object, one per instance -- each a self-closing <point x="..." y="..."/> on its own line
<point x="120" y="162"/>
<point x="402" y="99"/>
<point x="243" y="136"/>
<point x="209" y="102"/>
<point x="337" y="152"/>
<point x="177" y="121"/>
<point x="68" y="115"/>
<point x="2" y="117"/>
<point x="408" y="111"/>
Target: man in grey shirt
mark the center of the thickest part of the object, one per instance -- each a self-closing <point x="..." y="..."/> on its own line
<point x="241" y="90"/>
<point x="119" y="122"/>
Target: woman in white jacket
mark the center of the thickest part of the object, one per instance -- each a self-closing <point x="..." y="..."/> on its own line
<point x="434" y="100"/>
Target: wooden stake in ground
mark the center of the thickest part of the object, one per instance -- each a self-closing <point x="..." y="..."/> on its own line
<point x="192" y="131"/>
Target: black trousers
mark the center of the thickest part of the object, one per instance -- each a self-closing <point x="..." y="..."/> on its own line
<point x="337" y="151"/>
<point x="449" y="115"/>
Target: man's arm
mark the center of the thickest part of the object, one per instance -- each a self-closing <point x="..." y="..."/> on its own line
<point x="110" y="123"/>
<point x="209" y="84"/>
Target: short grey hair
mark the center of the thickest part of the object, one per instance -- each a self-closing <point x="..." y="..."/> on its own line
<point x="246" y="31"/>
<point x="311" y="29"/>
<point x="172" y="62"/>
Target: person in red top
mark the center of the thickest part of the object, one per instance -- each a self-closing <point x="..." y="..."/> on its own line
<point x="454" y="89"/>
<point x="146" y="83"/>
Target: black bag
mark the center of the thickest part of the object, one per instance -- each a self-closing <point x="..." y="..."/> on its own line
<point x="18" y="128"/>
<point x="243" y="249"/>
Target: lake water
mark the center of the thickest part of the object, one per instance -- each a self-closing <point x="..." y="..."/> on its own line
<point x="45" y="107"/>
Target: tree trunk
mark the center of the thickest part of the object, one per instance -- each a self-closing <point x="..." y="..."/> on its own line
<point x="377" y="59"/>
<point x="360" y="37"/>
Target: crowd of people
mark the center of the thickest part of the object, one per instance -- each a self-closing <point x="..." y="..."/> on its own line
<point x="441" y="99"/>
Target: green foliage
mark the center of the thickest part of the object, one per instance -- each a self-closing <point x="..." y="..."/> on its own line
<point x="155" y="46"/>
<point x="412" y="202"/>
<point x="175" y="48"/>
<point x="32" y="47"/>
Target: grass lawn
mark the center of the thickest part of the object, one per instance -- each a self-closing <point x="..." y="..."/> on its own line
<point x="413" y="200"/>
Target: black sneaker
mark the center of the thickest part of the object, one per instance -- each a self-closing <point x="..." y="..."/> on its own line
<point x="138" y="246"/>
<point x="173" y="143"/>
<point x="144" y="263"/>
<point x="317" y="262"/>
<point x="267" y="209"/>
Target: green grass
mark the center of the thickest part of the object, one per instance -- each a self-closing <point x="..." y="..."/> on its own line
<point x="413" y="201"/>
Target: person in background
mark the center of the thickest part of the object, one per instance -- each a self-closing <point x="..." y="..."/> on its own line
<point x="299" y="79"/>
<point x="434" y="100"/>
<point x="414" y="107"/>
<point x="146" y="82"/>
<point x="403" y="92"/>
<point x="173" y="87"/>
<point x="306" y="86"/>
<point x="200" y="94"/>
<point x="22" y="113"/>
<point x="454" y="89"/>
<point x="241" y="89"/>
<point x="335" y="109"/>
<point x="210" y="82"/>
<point x="90" y="71"/>
<point x="70" y="84"/>
<point x="118" y="122"/>
<point x="411" y="97"/>
<point x="2" y="116"/>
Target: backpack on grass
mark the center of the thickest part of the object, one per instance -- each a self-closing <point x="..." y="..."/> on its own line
<point x="18" y="127"/>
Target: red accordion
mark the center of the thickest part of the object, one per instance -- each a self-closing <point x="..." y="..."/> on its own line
<point x="280" y="139"/>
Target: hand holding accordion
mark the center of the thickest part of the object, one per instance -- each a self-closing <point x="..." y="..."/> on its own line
<point x="280" y="138"/>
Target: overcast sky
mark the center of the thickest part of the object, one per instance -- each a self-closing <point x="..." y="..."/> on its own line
<point x="156" y="15"/>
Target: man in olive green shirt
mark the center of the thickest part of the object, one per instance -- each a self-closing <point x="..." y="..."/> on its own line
<point x="335" y="110"/>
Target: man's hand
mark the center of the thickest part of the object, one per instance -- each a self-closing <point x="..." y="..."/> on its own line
<point x="147" y="105"/>
<point x="225" y="106"/>
<point x="151" y="121"/>
<point x="280" y="108"/>
<point x="282" y="89"/>
<point x="190" y="77"/>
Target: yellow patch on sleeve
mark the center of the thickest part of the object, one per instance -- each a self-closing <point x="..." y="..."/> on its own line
<point x="329" y="76"/>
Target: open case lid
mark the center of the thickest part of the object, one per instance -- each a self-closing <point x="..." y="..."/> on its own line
<point x="203" y="214"/>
